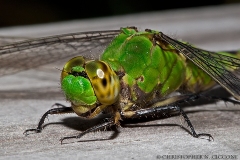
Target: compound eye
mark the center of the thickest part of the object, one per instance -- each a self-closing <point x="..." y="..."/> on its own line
<point x="76" y="85"/>
<point x="104" y="80"/>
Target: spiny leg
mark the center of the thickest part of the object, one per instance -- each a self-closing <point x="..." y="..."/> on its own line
<point x="167" y="109"/>
<point x="192" y="128"/>
<point x="107" y="123"/>
<point x="60" y="110"/>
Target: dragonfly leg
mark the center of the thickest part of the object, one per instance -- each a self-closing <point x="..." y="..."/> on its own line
<point x="166" y="109"/>
<point x="108" y="122"/>
<point x="60" y="110"/>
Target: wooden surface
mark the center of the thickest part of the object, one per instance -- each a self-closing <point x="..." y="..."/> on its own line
<point x="25" y="96"/>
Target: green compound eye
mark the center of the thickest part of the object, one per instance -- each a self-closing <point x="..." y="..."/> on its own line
<point x="77" y="88"/>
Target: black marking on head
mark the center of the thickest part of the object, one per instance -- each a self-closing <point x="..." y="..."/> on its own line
<point x="82" y="74"/>
<point x="104" y="68"/>
<point x="104" y="82"/>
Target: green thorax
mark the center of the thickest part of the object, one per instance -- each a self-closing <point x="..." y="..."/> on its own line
<point x="149" y="67"/>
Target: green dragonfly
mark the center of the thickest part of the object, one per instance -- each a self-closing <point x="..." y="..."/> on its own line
<point x="125" y="73"/>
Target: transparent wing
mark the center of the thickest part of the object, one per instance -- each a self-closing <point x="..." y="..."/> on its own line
<point x="32" y="53"/>
<point x="219" y="67"/>
<point x="4" y="40"/>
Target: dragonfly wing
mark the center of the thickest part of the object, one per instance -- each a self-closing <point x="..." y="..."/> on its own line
<point x="28" y="54"/>
<point x="4" y="40"/>
<point x="219" y="67"/>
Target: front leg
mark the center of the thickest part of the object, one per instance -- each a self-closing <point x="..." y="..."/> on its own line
<point x="60" y="110"/>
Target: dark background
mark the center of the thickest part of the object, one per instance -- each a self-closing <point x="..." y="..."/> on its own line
<point x="24" y="12"/>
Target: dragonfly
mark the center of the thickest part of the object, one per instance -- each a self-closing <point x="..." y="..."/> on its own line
<point x="125" y="73"/>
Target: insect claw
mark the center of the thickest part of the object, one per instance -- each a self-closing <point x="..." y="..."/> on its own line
<point x="26" y="133"/>
<point x="61" y="140"/>
<point x="210" y="137"/>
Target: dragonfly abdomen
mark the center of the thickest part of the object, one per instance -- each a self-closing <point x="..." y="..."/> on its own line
<point x="196" y="79"/>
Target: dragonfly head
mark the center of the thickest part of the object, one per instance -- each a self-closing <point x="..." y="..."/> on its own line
<point x="86" y="83"/>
